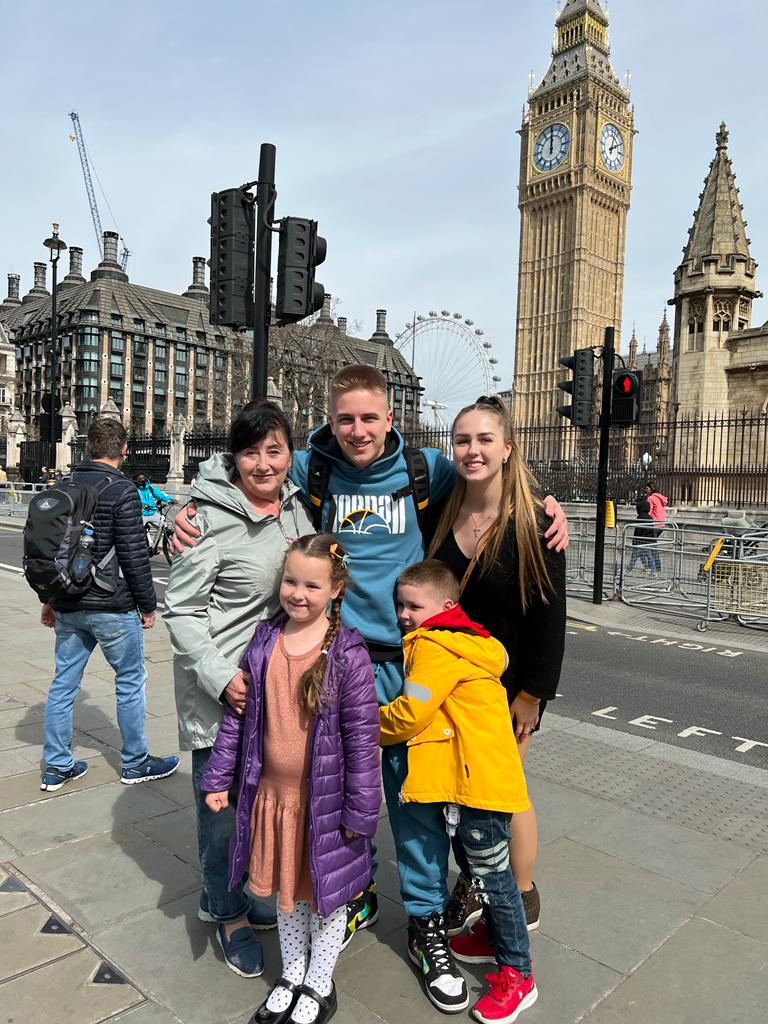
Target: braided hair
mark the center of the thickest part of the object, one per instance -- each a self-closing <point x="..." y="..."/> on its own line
<point x="323" y="545"/>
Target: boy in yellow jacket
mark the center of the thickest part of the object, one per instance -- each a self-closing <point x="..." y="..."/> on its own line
<point x="462" y="753"/>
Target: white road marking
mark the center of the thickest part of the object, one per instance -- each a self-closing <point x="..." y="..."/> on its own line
<point x="651" y="721"/>
<point x="12" y="568"/>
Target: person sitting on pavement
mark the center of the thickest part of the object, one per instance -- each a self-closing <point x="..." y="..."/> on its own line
<point x="453" y="690"/>
<point x="150" y="496"/>
<point x="111" y="615"/>
<point x="309" y="789"/>
<point x="218" y="591"/>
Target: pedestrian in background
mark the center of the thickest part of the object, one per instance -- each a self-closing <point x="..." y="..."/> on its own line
<point x="111" y="614"/>
<point x="643" y="536"/>
<point x="305" y="759"/>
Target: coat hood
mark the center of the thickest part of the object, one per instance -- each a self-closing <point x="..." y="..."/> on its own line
<point x="215" y="484"/>
<point x="456" y="633"/>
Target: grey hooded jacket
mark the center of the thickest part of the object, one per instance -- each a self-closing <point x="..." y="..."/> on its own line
<point x="220" y="590"/>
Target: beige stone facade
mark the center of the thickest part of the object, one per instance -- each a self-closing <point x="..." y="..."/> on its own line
<point x="574" y="195"/>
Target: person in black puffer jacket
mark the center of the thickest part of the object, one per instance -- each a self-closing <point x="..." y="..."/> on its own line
<point x="112" y="614"/>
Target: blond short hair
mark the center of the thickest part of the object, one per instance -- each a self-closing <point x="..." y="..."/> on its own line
<point x="357" y="377"/>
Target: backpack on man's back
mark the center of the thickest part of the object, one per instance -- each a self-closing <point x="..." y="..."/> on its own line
<point x="58" y="532"/>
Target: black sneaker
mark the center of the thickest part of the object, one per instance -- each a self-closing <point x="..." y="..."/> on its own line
<point x="428" y="948"/>
<point x="464" y="908"/>
<point x="361" y="913"/>
<point x="532" y="907"/>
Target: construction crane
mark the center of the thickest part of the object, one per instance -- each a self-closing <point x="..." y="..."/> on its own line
<point x="85" y="164"/>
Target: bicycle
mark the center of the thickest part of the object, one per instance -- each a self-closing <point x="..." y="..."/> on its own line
<point x="160" y="534"/>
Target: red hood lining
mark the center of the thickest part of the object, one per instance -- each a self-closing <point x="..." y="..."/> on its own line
<point x="456" y="619"/>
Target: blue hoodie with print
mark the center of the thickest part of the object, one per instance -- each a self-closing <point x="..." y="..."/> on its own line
<point x="379" y="532"/>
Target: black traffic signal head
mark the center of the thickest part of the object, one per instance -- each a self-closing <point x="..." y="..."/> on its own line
<point x="301" y="251"/>
<point x="233" y="232"/>
<point x="626" y="397"/>
<point x="582" y="364"/>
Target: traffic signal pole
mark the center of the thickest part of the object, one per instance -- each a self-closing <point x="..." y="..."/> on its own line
<point x="602" y="463"/>
<point x="265" y="203"/>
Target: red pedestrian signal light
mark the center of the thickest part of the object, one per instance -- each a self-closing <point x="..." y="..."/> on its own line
<point x="626" y="384"/>
<point x="626" y="397"/>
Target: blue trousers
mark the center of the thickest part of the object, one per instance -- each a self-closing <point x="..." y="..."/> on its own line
<point x="421" y="841"/>
<point x="121" y="639"/>
<point x="482" y="853"/>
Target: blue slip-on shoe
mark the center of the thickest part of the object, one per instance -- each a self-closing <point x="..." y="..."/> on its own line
<point x="261" y="916"/>
<point x="153" y="768"/>
<point x="242" y="952"/>
<point x="53" y="778"/>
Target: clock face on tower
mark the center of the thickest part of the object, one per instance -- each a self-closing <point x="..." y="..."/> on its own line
<point x="612" y="147"/>
<point x="551" y="147"/>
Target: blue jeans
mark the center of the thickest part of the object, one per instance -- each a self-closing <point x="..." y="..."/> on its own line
<point x="214" y="832"/>
<point x="421" y="842"/>
<point x="482" y="853"/>
<point x="121" y="639"/>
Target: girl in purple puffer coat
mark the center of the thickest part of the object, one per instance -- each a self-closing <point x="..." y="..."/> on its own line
<point x="305" y="752"/>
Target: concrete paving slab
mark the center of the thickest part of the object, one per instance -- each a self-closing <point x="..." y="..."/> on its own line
<point x="12" y="895"/>
<point x="392" y="918"/>
<point x="24" y="789"/>
<point x="696" y="860"/>
<point x="104" y="879"/>
<point x="63" y="819"/>
<point x="560" y="809"/>
<point x="179" y="786"/>
<point x="179" y="962"/>
<point x="27" y="941"/>
<point x="176" y="832"/>
<point x="569" y="983"/>
<point x="12" y="763"/>
<point x="65" y="991"/>
<point x="147" y="1013"/>
<point x="609" y="910"/>
<point x="743" y="905"/>
<point x="703" y="973"/>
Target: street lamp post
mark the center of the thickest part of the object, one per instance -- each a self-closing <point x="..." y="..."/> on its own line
<point x="56" y="247"/>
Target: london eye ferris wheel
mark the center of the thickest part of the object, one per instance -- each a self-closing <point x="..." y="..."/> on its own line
<point x="454" y="361"/>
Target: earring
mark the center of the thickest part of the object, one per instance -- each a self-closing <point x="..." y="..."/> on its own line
<point x="504" y="462"/>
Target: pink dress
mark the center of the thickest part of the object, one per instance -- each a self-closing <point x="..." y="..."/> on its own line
<point x="279" y="827"/>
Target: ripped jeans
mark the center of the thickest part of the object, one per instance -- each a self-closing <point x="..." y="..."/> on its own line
<point x="481" y="849"/>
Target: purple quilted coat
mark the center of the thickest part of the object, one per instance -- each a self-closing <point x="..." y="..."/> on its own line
<point x="345" y="773"/>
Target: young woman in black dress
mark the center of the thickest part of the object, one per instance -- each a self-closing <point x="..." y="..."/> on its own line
<point x="491" y="534"/>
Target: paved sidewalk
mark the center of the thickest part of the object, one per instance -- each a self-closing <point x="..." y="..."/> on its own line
<point x="653" y="872"/>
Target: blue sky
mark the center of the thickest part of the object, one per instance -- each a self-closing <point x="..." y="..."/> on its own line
<point x="395" y="124"/>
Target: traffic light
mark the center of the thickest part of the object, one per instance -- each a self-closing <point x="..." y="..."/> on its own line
<point x="301" y="251"/>
<point x="626" y="397"/>
<point x="232" y="241"/>
<point x="582" y="364"/>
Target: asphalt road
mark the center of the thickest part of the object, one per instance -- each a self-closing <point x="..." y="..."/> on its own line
<point x="712" y="700"/>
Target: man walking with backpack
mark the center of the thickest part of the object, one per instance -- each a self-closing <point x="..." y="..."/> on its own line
<point x="85" y="553"/>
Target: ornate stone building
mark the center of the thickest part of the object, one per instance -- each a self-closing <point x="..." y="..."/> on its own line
<point x="716" y="354"/>
<point x="574" y="195"/>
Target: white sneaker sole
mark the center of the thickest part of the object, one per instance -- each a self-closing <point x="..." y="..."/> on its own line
<point x="203" y="915"/>
<point x="369" y="922"/>
<point x="148" y="778"/>
<point x="442" y="1007"/>
<point x="526" y="1004"/>
<point x="464" y="959"/>
<point x="48" y="788"/>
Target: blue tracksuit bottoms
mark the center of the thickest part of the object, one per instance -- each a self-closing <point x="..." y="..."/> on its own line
<point x="422" y="844"/>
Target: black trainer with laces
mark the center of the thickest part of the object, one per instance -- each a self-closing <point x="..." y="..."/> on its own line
<point x="361" y="913"/>
<point x="464" y="909"/>
<point x="428" y="948"/>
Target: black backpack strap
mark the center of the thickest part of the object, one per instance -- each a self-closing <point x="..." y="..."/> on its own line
<point x="318" y="483"/>
<point x="418" y="486"/>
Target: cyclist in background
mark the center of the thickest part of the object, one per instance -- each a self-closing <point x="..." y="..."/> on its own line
<point x="150" y="496"/>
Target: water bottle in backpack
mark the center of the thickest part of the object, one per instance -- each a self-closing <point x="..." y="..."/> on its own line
<point x="81" y="563"/>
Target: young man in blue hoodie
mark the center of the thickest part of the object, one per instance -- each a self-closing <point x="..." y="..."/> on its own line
<point x="369" y="504"/>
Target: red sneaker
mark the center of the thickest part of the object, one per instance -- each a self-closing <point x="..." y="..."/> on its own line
<point x="509" y="994"/>
<point x="475" y="947"/>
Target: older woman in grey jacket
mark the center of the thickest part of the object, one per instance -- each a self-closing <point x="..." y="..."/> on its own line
<point x="219" y="590"/>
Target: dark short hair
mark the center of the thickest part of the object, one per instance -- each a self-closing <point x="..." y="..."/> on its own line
<point x="106" y="438"/>
<point x="254" y="422"/>
<point x="434" y="574"/>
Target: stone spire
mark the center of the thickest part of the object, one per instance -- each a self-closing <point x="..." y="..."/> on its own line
<point x="719" y="228"/>
<point x="581" y="47"/>
<point x="632" y="359"/>
<point x="663" y="344"/>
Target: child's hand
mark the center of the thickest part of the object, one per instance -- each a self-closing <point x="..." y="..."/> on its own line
<point x="217" y="801"/>
<point x="350" y="834"/>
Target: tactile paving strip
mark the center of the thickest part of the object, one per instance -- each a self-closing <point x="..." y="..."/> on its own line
<point x="723" y="807"/>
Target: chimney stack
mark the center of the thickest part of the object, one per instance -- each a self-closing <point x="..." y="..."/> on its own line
<point x="380" y="334"/>
<point x="38" y="290"/>
<point x="325" y="313"/>
<point x="111" y="238"/>
<point x="75" y="275"/>
<point x="198" y="288"/>
<point x="342" y="324"/>
<point x="110" y="265"/>
<point x="13" y="291"/>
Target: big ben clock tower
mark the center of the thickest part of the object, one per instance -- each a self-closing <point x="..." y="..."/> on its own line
<point x="574" y="193"/>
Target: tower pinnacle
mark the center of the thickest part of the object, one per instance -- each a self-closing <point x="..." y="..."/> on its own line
<point x="719" y="229"/>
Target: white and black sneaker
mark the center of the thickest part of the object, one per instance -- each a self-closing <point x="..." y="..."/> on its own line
<point x="428" y="948"/>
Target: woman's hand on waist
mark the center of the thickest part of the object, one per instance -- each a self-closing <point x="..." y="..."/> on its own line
<point x="525" y="715"/>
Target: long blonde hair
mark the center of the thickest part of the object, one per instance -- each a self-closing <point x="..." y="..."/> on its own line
<point x="519" y="500"/>
<point x="322" y="545"/>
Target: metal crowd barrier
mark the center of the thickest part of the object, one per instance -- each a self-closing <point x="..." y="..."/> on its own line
<point x="738" y="579"/>
<point x="16" y="496"/>
<point x="580" y="558"/>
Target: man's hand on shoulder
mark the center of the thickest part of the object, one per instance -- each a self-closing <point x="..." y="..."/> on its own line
<point x="557" y="535"/>
<point x="185" y="533"/>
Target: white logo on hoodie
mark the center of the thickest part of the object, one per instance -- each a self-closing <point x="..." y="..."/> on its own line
<point x="367" y="513"/>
